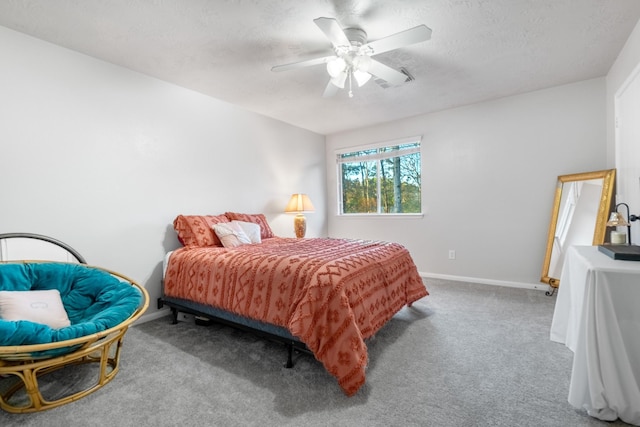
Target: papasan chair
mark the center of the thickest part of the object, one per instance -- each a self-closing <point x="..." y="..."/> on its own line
<point x="55" y="315"/>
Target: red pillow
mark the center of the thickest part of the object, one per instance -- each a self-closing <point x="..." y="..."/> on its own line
<point x="197" y="230"/>
<point x="260" y="219"/>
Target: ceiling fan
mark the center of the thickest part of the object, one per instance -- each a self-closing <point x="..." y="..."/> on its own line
<point x="352" y="59"/>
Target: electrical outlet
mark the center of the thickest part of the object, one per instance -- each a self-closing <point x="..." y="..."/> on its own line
<point x="452" y="254"/>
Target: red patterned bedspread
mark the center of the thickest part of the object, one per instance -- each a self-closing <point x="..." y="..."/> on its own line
<point x="330" y="293"/>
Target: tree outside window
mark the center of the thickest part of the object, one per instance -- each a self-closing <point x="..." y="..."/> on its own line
<point x="382" y="180"/>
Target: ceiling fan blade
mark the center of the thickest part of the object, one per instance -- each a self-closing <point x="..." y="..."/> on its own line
<point x="302" y="64"/>
<point x="333" y="31"/>
<point x="386" y="73"/>
<point x="330" y="90"/>
<point x="413" y="35"/>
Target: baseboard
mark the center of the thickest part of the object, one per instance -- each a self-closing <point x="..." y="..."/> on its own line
<point x="535" y="286"/>
<point x="153" y="316"/>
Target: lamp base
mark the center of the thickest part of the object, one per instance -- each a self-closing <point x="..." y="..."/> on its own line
<point x="300" y="225"/>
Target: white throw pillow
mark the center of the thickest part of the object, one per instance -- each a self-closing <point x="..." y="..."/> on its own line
<point x="251" y="229"/>
<point x="36" y="306"/>
<point x="231" y="235"/>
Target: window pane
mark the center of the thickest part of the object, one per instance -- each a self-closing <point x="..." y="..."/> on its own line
<point x="398" y="148"/>
<point x="358" y="154"/>
<point x="390" y="180"/>
<point x="400" y="184"/>
<point x="385" y="180"/>
<point x="359" y="188"/>
<point x="410" y="179"/>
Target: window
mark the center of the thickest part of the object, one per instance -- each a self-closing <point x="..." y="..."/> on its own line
<point x="381" y="179"/>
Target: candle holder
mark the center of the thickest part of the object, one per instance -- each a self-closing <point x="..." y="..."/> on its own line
<point x="617" y="220"/>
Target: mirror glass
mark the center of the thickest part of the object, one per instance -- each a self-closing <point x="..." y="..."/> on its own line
<point x="581" y="207"/>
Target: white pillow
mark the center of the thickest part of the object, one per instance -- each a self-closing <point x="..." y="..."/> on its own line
<point x="36" y="306"/>
<point x="251" y="229"/>
<point x="230" y="234"/>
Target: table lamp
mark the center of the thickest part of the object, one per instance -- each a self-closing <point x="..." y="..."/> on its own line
<point x="617" y="220"/>
<point x="298" y="204"/>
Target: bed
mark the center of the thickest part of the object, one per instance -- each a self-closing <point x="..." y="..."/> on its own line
<point x="324" y="294"/>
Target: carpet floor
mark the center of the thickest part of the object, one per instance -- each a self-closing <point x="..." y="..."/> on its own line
<point x="467" y="355"/>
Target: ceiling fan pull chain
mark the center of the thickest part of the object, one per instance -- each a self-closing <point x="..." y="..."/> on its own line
<point x="350" y="91"/>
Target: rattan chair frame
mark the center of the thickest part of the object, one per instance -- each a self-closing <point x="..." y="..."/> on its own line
<point x="98" y="348"/>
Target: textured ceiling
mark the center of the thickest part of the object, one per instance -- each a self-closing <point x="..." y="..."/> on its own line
<point x="479" y="50"/>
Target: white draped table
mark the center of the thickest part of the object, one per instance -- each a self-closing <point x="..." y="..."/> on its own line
<point x="597" y="315"/>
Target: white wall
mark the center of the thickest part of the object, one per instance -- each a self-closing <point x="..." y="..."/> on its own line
<point x="489" y="175"/>
<point x="626" y="62"/>
<point x="104" y="159"/>
<point x="623" y="127"/>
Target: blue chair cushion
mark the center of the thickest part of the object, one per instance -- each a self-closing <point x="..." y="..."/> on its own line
<point x="94" y="300"/>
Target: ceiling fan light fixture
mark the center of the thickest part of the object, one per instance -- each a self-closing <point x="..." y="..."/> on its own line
<point x="361" y="77"/>
<point x="336" y="66"/>
<point x="362" y="63"/>
<point x="339" y="80"/>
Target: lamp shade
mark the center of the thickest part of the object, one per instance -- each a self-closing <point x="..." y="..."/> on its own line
<point x="299" y="203"/>
<point x="616" y="219"/>
<point x="361" y="77"/>
<point x="336" y="66"/>
<point x="339" y="80"/>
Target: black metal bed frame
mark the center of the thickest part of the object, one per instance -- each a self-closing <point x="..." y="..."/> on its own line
<point x="261" y="329"/>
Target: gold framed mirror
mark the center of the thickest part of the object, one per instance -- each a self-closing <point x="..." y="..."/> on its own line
<point x="581" y="207"/>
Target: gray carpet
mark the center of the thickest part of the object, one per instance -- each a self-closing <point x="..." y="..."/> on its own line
<point x="467" y="355"/>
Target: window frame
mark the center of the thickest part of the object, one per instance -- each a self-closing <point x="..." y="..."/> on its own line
<point x="377" y="157"/>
